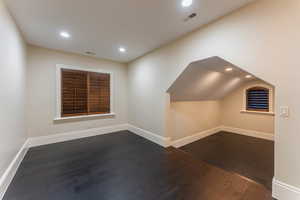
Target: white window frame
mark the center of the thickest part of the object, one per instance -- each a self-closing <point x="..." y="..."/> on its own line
<point x="271" y="99"/>
<point x="59" y="67"/>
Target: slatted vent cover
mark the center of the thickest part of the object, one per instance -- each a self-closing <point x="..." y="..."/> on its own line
<point x="258" y="99"/>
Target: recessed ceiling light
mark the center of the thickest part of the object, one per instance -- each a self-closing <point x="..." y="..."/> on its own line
<point x="122" y="49"/>
<point x="248" y="76"/>
<point x="186" y="3"/>
<point x="65" y="34"/>
<point x="229" y="69"/>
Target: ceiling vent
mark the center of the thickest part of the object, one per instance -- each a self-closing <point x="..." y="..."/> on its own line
<point x="191" y="16"/>
<point x="90" y="53"/>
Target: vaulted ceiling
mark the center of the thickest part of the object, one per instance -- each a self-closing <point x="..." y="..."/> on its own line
<point x="208" y="80"/>
<point x="103" y="26"/>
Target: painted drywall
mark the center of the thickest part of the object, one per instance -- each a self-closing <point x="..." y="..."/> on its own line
<point x="12" y="89"/>
<point x="191" y="117"/>
<point x="261" y="38"/>
<point x="186" y="118"/>
<point x="41" y="92"/>
<point x="233" y="104"/>
<point x="207" y="80"/>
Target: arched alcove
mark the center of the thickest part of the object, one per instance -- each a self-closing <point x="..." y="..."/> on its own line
<point x="209" y="97"/>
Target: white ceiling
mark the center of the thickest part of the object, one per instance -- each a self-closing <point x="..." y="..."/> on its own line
<point x="208" y="80"/>
<point x="102" y="26"/>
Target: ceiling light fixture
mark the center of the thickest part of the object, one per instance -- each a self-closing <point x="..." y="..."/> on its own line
<point x="248" y="76"/>
<point x="65" y="34"/>
<point x="229" y="69"/>
<point x="186" y="3"/>
<point x="122" y="49"/>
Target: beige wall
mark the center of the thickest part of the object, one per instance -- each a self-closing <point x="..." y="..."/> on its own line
<point x="233" y="104"/>
<point x="12" y="89"/>
<point x="262" y="38"/>
<point x="189" y="118"/>
<point x="41" y="90"/>
<point x="186" y="118"/>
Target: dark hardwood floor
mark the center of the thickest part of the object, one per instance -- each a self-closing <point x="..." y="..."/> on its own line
<point x="248" y="156"/>
<point x="123" y="166"/>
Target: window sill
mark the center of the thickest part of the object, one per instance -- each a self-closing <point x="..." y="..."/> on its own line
<point x="258" y="112"/>
<point x="85" y="116"/>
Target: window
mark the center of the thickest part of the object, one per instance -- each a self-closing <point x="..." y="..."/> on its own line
<point x="83" y="92"/>
<point x="257" y="99"/>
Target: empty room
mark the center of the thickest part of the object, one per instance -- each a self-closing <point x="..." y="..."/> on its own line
<point x="144" y="100"/>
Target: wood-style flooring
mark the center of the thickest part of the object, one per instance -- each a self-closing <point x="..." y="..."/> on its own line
<point x="123" y="166"/>
<point x="251" y="157"/>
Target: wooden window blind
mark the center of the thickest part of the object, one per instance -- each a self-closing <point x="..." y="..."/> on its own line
<point x="258" y="99"/>
<point x="84" y="93"/>
<point x="99" y="93"/>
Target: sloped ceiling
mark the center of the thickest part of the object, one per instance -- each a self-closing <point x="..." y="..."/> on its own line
<point x="207" y="80"/>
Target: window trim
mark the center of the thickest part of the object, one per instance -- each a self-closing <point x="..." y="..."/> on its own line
<point x="59" y="67"/>
<point x="271" y="99"/>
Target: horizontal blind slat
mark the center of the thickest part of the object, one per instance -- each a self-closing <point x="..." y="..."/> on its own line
<point x="258" y="99"/>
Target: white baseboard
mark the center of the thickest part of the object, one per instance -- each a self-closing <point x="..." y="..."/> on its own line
<point x="10" y="172"/>
<point x="43" y="140"/>
<point x="62" y="137"/>
<point x="251" y="133"/>
<point x="193" y="138"/>
<point x="283" y="191"/>
<point x="160" y="140"/>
